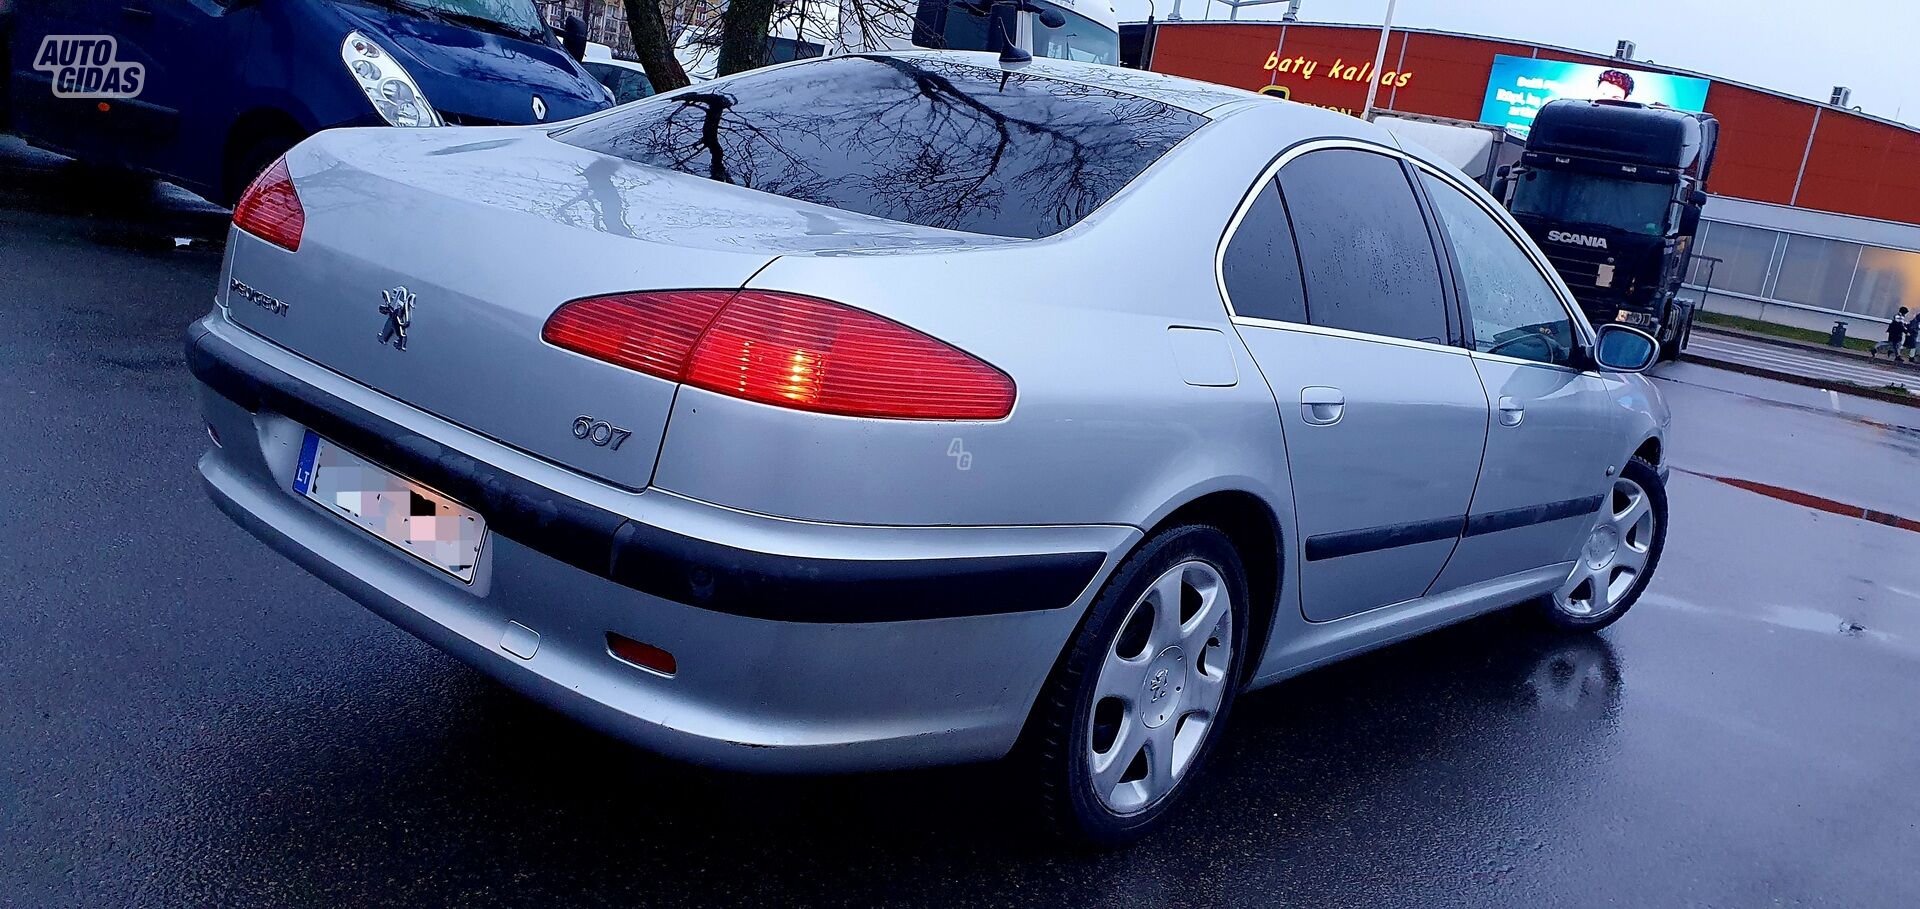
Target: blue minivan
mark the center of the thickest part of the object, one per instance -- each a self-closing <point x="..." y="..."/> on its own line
<point x="207" y="93"/>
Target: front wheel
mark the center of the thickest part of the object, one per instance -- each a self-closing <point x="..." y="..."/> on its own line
<point x="1618" y="556"/>
<point x="1135" y="706"/>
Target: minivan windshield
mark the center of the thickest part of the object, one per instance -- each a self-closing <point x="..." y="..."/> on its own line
<point x="517" y="17"/>
<point x="1628" y="205"/>
<point x="926" y="141"/>
<point x="1080" y="38"/>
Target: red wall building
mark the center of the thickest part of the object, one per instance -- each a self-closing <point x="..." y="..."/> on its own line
<point x="1773" y="148"/>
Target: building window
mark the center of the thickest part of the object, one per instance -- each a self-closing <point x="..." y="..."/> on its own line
<point x="1744" y="253"/>
<point x="1888" y="279"/>
<point x="1816" y="271"/>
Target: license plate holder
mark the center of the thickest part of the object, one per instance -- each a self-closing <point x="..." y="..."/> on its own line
<point x="410" y="517"/>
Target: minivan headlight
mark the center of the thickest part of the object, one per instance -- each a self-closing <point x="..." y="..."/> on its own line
<point x="393" y="93"/>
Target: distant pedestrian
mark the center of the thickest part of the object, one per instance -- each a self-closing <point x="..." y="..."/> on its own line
<point x="1913" y="338"/>
<point x="1896" y="336"/>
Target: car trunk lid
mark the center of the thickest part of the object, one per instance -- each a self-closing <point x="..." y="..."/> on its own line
<point x="478" y="240"/>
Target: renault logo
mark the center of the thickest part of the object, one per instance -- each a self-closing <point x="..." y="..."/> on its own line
<point x="539" y="108"/>
<point x="397" y="306"/>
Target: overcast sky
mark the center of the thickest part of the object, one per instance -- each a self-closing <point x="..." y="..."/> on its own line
<point x="1802" y="48"/>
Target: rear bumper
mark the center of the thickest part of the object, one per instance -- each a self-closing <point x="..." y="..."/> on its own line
<point x="800" y="646"/>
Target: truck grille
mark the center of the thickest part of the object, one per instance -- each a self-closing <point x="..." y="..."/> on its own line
<point x="1577" y="273"/>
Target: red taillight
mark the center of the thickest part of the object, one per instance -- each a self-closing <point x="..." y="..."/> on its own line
<point x="270" y="209"/>
<point x="786" y="350"/>
<point x="652" y="333"/>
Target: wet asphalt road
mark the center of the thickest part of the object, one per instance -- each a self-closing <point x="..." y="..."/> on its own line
<point x="186" y="719"/>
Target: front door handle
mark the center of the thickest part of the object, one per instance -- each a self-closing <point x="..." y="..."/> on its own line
<point x="1511" y="413"/>
<point x="1321" y="405"/>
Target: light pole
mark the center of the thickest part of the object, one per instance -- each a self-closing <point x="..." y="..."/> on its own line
<point x="1379" y="59"/>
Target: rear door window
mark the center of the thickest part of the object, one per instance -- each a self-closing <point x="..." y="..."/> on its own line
<point x="1260" y="266"/>
<point x="925" y="141"/>
<point x="1365" y="251"/>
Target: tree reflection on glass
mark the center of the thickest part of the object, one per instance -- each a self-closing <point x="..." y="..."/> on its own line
<point x="923" y="140"/>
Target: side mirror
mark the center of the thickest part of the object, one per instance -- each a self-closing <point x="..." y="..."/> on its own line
<point x="1698" y="199"/>
<point x="573" y="37"/>
<point x="1622" y="348"/>
<point x="1052" y="18"/>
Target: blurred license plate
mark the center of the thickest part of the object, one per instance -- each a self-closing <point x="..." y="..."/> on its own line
<point x="420" y="522"/>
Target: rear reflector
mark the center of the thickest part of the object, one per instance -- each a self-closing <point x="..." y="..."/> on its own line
<point x="646" y="656"/>
<point x="785" y="350"/>
<point x="270" y="209"/>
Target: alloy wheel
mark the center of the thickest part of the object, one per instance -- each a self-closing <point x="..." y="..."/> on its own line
<point x="1160" y="687"/>
<point x="1614" y="556"/>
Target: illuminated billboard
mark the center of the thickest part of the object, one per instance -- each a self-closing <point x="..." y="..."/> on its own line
<point x="1520" y="86"/>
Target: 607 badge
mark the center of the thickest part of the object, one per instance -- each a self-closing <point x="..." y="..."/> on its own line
<point x="599" y="432"/>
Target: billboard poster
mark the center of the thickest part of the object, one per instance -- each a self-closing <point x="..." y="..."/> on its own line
<point x="1520" y="86"/>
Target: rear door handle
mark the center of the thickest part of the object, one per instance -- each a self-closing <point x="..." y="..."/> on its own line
<point x="1511" y="413"/>
<point x="1322" y="405"/>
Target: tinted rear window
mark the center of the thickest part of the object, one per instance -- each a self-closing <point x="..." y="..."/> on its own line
<point x="929" y="142"/>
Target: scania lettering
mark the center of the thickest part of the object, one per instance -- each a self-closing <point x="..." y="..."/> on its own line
<point x="1560" y="236"/>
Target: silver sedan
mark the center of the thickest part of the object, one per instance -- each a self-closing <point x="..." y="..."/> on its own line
<point x="906" y="409"/>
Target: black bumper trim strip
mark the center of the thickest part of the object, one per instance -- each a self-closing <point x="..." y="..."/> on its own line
<point x="653" y="560"/>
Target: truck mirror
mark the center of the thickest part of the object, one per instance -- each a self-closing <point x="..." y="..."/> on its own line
<point x="573" y="37"/>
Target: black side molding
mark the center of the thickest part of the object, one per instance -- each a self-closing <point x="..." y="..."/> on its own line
<point x="649" y="559"/>
<point x="1374" y="539"/>
<point x="1496" y="521"/>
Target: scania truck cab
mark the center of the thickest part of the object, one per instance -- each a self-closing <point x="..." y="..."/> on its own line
<point x="206" y="93"/>
<point x="1612" y="192"/>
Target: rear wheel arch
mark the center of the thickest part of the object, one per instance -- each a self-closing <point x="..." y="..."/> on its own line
<point x="1254" y="529"/>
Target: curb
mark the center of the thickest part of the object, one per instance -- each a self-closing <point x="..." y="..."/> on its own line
<point x="1858" y="391"/>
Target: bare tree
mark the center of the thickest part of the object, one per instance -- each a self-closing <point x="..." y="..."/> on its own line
<point x="653" y="43"/>
<point x="675" y="36"/>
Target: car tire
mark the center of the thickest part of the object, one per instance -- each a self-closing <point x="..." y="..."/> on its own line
<point x="1619" y="556"/>
<point x="1106" y="777"/>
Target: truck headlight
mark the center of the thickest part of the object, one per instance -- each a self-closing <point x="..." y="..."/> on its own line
<point x="393" y="93"/>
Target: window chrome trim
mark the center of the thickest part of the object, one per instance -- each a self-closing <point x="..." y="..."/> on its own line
<point x="1304" y="328"/>
<point x="1267" y="175"/>
<point x="1526" y="246"/>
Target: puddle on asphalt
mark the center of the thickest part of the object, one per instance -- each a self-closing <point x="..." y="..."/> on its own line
<point x="1809" y="500"/>
<point x="1794" y="618"/>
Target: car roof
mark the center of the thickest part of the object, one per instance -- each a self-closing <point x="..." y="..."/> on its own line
<point x="1175" y="91"/>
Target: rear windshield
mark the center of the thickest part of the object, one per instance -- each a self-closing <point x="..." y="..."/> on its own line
<point x="928" y="142"/>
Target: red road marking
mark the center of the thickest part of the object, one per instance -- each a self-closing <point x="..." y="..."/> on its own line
<point x="1818" y="503"/>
